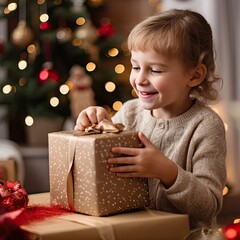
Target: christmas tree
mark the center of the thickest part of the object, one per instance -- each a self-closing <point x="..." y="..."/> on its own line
<point x="46" y="40"/>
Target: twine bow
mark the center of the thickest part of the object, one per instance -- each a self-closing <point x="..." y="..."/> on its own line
<point x="105" y="126"/>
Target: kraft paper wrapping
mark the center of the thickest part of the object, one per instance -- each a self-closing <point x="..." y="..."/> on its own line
<point x="79" y="174"/>
<point x="140" y="225"/>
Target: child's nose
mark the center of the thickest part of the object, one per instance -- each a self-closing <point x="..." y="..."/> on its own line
<point x="142" y="79"/>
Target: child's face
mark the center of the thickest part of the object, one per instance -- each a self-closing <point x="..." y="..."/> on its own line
<point x="159" y="81"/>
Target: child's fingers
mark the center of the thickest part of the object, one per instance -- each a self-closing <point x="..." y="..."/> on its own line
<point x="82" y="121"/>
<point x="79" y="127"/>
<point x="144" y="140"/>
<point x="89" y="116"/>
<point x="101" y="114"/>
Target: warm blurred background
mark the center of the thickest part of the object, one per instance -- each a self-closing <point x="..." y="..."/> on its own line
<point x="60" y="56"/>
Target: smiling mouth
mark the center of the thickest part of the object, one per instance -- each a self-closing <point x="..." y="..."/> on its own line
<point x="146" y="94"/>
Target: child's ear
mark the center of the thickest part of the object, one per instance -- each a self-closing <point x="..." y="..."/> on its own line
<point x="197" y="76"/>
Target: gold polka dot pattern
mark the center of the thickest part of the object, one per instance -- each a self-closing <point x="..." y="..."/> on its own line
<point x="97" y="191"/>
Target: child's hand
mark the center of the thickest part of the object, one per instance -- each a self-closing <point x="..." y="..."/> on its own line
<point x="89" y="116"/>
<point x="147" y="162"/>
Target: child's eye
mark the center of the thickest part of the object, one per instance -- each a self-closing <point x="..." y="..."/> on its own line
<point x="156" y="71"/>
<point x="135" y="68"/>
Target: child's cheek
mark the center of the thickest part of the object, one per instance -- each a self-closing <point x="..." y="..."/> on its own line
<point x="161" y="86"/>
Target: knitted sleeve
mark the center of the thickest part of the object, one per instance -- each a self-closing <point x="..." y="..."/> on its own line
<point x="198" y="190"/>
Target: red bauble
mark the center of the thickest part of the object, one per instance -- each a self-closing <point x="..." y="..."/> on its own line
<point x="232" y="231"/>
<point x="106" y="30"/>
<point x="12" y="195"/>
<point x="48" y="74"/>
<point x="44" y="26"/>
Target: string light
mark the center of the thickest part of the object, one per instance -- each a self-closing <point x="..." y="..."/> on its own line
<point x="7" y="89"/>
<point x="31" y="48"/>
<point x="44" y="17"/>
<point x="22" y="64"/>
<point x="80" y="21"/>
<point x="119" y="68"/>
<point x="29" y="120"/>
<point x="237" y="220"/>
<point x="64" y="34"/>
<point x="6" y="11"/>
<point x="22" y="82"/>
<point x="91" y="66"/>
<point x="113" y="52"/>
<point x="47" y="74"/>
<point x="44" y="75"/>
<point x="110" y="86"/>
<point x="117" y="105"/>
<point x="64" y="89"/>
<point x="12" y="6"/>
<point x="231" y="233"/>
<point x="54" y="101"/>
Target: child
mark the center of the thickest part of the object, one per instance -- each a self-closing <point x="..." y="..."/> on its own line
<point x="184" y="140"/>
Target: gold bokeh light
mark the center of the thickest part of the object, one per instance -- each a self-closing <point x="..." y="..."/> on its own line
<point x="117" y="105"/>
<point x="110" y="86"/>
<point x="119" y="68"/>
<point x="113" y="52"/>
<point x="44" y="17"/>
<point x="91" y="66"/>
<point x="80" y="21"/>
<point x="29" y="120"/>
<point x="54" y="101"/>
<point x="64" y="89"/>
<point x="7" y="89"/>
<point x="22" y="64"/>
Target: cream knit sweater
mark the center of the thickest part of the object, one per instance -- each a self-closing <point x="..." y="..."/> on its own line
<point x="195" y="141"/>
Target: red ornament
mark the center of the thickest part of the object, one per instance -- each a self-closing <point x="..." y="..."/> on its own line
<point x="14" y="211"/>
<point x="106" y="30"/>
<point x="12" y="195"/>
<point x="232" y="231"/>
<point x="45" y="26"/>
<point x="48" y="74"/>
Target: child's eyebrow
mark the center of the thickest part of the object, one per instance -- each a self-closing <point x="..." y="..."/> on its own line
<point x="152" y="63"/>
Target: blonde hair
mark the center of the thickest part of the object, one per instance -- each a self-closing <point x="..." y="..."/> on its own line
<point x="180" y="33"/>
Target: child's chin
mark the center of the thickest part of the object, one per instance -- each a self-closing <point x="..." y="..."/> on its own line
<point x="146" y="106"/>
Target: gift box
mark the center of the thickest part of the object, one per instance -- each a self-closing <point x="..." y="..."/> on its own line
<point x="140" y="225"/>
<point x="79" y="173"/>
